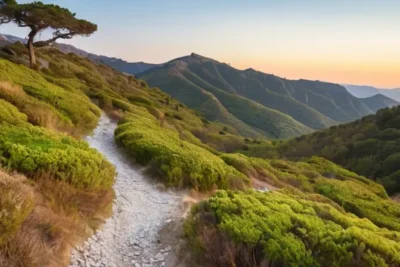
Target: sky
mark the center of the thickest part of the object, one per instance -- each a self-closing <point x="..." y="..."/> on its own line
<point x="350" y="42"/>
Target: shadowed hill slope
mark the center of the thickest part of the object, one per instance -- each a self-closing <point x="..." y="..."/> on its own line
<point x="195" y="80"/>
<point x="369" y="146"/>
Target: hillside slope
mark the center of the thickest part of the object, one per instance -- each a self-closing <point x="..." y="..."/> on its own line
<point x="44" y="113"/>
<point x="314" y="104"/>
<point x="117" y="63"/>
<point x="369" y="146"/>
<point x="67" y="192"/>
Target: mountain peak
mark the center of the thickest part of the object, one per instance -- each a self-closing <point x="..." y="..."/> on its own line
<point x="250" y="70"/>
<point x="194" y="55"/>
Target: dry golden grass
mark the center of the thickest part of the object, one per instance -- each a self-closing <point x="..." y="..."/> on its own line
<point x="60" y="217"/>
<point x="116" y="114"/>
<point x="158" y="114"/>
<point x="11" y="89"/>
<point x="38" y="112"/>
<point x="16" y="202"/>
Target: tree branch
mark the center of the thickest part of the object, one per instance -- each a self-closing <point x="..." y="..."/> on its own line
<point x="57" y="35"/>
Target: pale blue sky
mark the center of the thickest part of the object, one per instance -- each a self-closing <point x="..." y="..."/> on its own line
<point x="341" y="41"/>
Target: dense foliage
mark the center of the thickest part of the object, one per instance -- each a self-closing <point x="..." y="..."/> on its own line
<point x="68" y="110"/>
<point x="325" y="215"/>
<point x="180" y="162"/>
<point x="287" y="228"/>
<point x="369" y="147"/>
<point x="352" y="192"/>
<point x="38" y="152"/>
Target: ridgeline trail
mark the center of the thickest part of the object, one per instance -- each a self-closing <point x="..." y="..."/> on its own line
<point x="143" y="230"/>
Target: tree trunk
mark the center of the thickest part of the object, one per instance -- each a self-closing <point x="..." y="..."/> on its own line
<point x="32" y="57"/>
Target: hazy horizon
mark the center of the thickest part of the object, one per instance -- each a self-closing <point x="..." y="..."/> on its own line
<point x="347" y="43"/>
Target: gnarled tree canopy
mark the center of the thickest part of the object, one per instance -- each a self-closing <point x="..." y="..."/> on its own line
<point x="39" y="17"/>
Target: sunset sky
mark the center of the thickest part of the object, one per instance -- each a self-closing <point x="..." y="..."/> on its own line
<point x="354" y="42"/>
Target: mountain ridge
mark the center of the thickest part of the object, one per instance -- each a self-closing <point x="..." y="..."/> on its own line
<point x="306" y="105"/>
<point x="363" y="91"/>
<point x="314" y="104"/>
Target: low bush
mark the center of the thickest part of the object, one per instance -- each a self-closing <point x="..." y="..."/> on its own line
<point x="35" y="151"/>
<point x="350" y="191"/>
<point x="38" y="112"/>
<point x="73" y="105"/>
<point x="180" y="162"/>
<point x="10" y="114"/>
<point x="283" y="229"/>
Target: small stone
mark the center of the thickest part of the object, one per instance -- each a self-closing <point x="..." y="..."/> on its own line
<point x="137" y="265"/>
<point x="159" y="257"/>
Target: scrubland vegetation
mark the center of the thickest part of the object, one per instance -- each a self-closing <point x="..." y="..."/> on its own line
<point x="180" y="162"/>
<point x="320" y="215"/>
<point x="44" y="113"/>
<point x="369" y="146"/>
<point x="324" y="215"/>
<point x="287" y="228"/>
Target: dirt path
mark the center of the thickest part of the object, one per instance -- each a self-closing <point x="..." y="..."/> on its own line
<point x="135" y="235"/>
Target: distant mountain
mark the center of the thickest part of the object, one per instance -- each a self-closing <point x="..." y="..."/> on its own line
<point x="217" y="90"/>
<point x="367" y="91"/>
<point x="253" y="102"/>
<point x="11" y="39"/>
<point x="118" y="64"/>
<point x="380" y="101"/>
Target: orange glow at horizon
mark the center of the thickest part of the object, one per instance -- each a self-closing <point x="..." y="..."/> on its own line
<point x="377" y="74"/>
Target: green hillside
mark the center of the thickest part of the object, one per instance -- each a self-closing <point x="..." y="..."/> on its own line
<point x="369" y="146"/>
<point x="207" y="85"/>
<point x="317" y="220"/>
<point x="66" y="192"/>
<point x="319" y="215"/>
<point x="245" y="115"/>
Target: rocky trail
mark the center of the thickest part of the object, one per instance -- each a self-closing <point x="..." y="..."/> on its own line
<point x="144" y="229"/>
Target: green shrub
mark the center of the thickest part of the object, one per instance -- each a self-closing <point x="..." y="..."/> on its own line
<point x="251" y="228"/>
<point x="76" y="106"/>
<point x="180" y="162"/>
<point x="367" y="147"/>
<point x="144" y="84"/>
<point x="140" y="100"/>
<point x="38" y="152"/>
<point x="120" y="104"/>
<point x="38" y="112"/>
<point x="10" y="114"/>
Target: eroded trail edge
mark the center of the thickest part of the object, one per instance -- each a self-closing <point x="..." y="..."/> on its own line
<point x="136" y="234"/>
